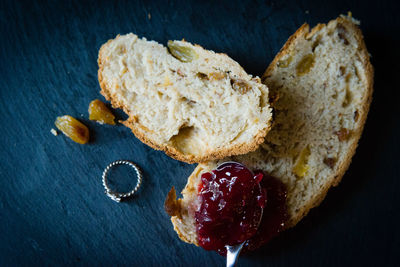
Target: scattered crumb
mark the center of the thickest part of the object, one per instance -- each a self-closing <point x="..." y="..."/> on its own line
<point x="54" y="132"/>
<point x="149" y="16"/>
<point x="81" y="115"/>
<point x="307" y="12"/>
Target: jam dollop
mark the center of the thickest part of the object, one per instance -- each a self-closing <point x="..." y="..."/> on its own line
<point x="230" y="207"/>
<point x="231" y="201"/>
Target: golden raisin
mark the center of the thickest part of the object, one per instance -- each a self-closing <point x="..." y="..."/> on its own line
<point x="284" y="63"/>
<point x="240" y="86"/>
<point x="305" y="65"/>
<point x="73" y="128"/>
<point x="301" y="167"/>
<point x="182" y="52"/>
<point x="99" y="112"/>
<point x="343" y="134"/>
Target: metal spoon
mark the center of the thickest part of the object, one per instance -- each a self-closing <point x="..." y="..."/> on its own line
<point x="232" y="252"/>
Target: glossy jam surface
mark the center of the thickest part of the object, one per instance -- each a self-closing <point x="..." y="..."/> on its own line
<point x="230" y="206"/>
<point x="274" y="214"/>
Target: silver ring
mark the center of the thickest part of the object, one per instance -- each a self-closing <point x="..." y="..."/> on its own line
<point x="116" y="196"/>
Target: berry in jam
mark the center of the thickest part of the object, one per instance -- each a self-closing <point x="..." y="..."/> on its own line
<point x="230" y="206"/>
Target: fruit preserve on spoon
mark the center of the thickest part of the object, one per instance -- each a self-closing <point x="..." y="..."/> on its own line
<point x="230" y="206"/>
<point x="231" y="201"/>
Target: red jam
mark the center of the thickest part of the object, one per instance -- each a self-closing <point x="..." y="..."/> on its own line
<point x="230" y="206"/>
<point x="231" y="199"/>
<point x="274" y="214"/>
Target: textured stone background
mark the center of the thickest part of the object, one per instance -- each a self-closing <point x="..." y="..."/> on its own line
<point x="52" y="207"/>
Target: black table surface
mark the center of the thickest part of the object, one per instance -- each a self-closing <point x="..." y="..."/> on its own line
<point x="53" y="210"/>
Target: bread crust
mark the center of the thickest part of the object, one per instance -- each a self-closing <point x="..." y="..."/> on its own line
<point x="170" y="150"/>
<point x="335" y="179"/>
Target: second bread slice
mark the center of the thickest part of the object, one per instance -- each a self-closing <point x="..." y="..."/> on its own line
<point x="323" y="79"/>
<point x="194" y="104"/>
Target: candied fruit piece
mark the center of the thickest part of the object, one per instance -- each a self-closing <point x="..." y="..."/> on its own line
<point x="182" y="52"/>
<point x="73" y="128"/>
<point x="240" y="86"/>
<point x="301" y="167"/>
<point x="99" y="112"/>
<point x="305" y="65"/>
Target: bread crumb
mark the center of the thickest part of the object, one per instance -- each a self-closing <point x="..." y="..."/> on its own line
<point x="149" y="16"/>
<point x="54" y="132"/>
<point x="307" y="12"/>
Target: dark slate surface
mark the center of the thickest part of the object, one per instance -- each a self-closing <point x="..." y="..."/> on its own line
<point x="52" y="207"/>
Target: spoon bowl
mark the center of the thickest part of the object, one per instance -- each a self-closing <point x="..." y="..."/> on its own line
<point x="232" y="252"/>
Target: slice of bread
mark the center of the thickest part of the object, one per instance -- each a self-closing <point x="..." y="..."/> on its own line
<point x="194" y="104"/>
<point x="322" y="80"/>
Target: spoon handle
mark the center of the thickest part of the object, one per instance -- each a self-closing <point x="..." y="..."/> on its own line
<point x="232" y="253"/>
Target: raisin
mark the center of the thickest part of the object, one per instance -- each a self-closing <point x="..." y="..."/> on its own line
<point x="342" y="70"/>
<point x="99" y="112"/>
<point x="73" y="128"/>
<point x="330" y="162"/>
<point x="240" y="86"/>
<point x="343" y="134"/>
<point x="202" y="75"/>
<point x="182" y="52"/>
<point x="342" y="34"/>
<point x="356" y="115"/>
